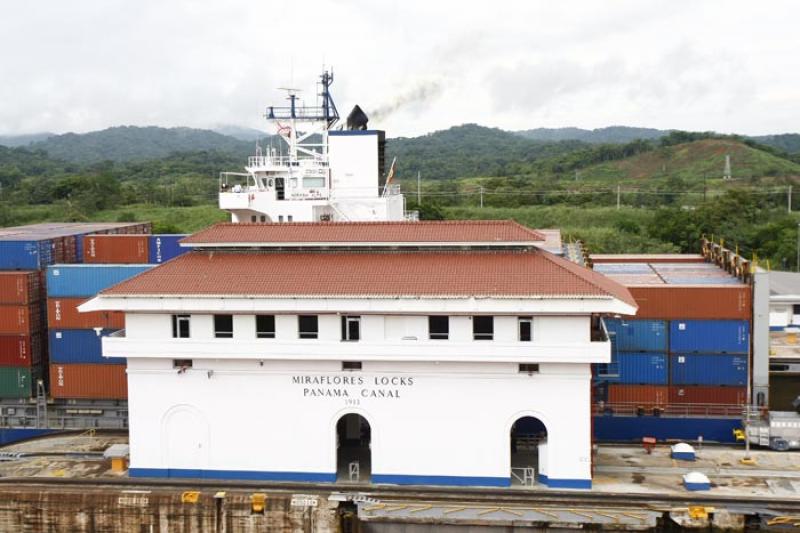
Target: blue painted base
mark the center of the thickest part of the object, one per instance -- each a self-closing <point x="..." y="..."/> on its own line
<point x="12" y="435"/>
<point x="452" y="481"/>
<point x="633" y="428"/>
<point x="318" y="477"/>
<point x="565" y="483"/>
<point x="683" y="456"/>
<point x="697" y="486"/>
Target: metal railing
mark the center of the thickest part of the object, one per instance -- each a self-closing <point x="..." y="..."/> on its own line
<point x="286" y="161"/>
<point x="671" y="410"/>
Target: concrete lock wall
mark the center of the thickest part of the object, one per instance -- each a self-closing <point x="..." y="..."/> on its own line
<point x="430" y="423"/>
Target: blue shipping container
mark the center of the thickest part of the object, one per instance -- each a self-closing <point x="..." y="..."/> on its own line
<point x="709" y="336"/>
<point x="79" y="346"/>
<point x="708" y="369"/>
<point x="26" y="255"/>
<point x="76" y="281"/>
<point x="165" y="247"/>
<point x="637" y="335"/>
<point x="644" y="368"/>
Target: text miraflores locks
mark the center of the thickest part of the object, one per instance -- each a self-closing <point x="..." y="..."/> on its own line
<point x="337" y="386"/>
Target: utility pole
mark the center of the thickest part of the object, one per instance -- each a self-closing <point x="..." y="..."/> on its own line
<point x="789" y="200"/>
<point x="419" y="195"/>
<point x="618" y="196"/>
<point x="797" y="265"/>
<point x="576" y="174"/>
<point x="481" y="196"/>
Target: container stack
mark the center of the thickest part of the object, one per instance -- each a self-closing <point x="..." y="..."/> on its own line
<point x="21" y="330"/>
<point x="686" y="351"/>
<point x="25" y="253"/>
<point x="78" y="369"/>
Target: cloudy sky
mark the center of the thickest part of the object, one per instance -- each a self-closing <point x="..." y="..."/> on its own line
<point x="414" y="66"/>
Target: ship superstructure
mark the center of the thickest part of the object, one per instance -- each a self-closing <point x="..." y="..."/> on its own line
<point x="316" y="173"/>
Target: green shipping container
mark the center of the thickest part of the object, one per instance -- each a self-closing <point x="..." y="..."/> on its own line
<point x="16" y="382"/>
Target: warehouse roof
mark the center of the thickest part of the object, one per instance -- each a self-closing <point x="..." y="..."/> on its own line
<point x="477" y="232"/>
<point x="784" y="283"/>
<point x="504" y="274"/>
<point x="51" y="230"/>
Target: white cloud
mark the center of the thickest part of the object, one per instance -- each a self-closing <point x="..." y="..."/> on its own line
<point x="691" y="64"/>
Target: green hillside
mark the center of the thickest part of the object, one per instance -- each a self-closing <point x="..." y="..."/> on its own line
<point x="130" y="143"/>
<point x="693" y="161"/>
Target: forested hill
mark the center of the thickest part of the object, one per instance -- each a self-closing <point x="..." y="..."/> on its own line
<point x="131" y="143"/>
<point x="471" y="150"/>
<point x="609" y="135"/>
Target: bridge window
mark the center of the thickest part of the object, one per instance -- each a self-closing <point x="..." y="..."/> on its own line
<point x="180" y="326"/>
<point x="525" y="329"/>
<point x="308" y="326"/>
<point x="223" y="326"/>
<point x="438" y="327"/>
<point x="351" y="328"/>
<point x="483" y="328"/>
<point x="265" y="326"/>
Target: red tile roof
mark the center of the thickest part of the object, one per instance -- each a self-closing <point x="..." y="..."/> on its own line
<point x="461" y="231"/>
<point x="531" y="273"/>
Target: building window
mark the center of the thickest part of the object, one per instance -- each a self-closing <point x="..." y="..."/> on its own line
<point x="528" y="368"/>
<point x="289" y="218"/>
<point x="180" y="326"/>
<point x="263" y="218"/>
<point x="351" y="328"/>
<point x="483" y="328"/>
<point x="293" y="183"/>
<point x="265" y="326"/>
<point x="223" y="326"/>
<point x="525" y="328"/>
<point x="313" y="183"/>
<point x="796" y="309"/>
<point x="438" y="327"/>
<point x="308" y="326"/>
<point x="182" y="364"/>
<point x="351" y="365"/>
<point x="253" y="218"/>
<point x="280" y="218"/>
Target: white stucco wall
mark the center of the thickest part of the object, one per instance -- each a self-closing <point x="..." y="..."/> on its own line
<point x="453" y="422"/>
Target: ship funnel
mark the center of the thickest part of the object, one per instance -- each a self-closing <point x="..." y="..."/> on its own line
<point x="357" y="119"/>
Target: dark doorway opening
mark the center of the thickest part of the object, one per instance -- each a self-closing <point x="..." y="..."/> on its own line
<point x="527" y="435"/>
<point x="353" y="452"/>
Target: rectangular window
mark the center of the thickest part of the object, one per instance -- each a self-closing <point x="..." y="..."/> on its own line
<point x="528" y="368"/>
<point x="308" y="326"/>
<point x="263" y="218"/>
<point x="525" y="328"/>
<point x="280" y="218"/>
<point x="253" y="218"/>
<point x="313" y="183"/>
<point x="180" y="326"/>
<point x="351" y="328"/>
<point x="289" y="218"/>
<point x="223" y="326"/>
<point x="483" y="328"/>
<point x="183" y="364"/>
<point x="265" y="326"/>
<point x="438" y="327"/>
<point x="796" y="309"/>
<point x="351" y="365"/>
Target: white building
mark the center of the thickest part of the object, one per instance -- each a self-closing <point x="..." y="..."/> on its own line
<point x="784" y="300"/>
<point x="447" y="353"/>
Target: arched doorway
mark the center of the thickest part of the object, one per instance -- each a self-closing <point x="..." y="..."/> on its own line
<point x="353" y="453"/>
<point x="528" y="449"/>
<point x="185" y="434"/>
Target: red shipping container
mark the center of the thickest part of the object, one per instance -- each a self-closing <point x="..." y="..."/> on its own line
<point x="20" y="350"/>
<point x="24" y="319"/>
<point x="672" y="302"/>
<point x="19" y="287"/>
<point x="707" y="395"/>
<point x="647" y="396"/>
<point x="63" y="313"/>
<point x="121" y="249"/>
<point x="91" y="382"/>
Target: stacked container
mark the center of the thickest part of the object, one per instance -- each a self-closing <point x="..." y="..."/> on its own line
<point x="78" y="369"/>
<point x="20" y="333"/>
<point x="164" y="247"/>
<point x="687" y="350"/>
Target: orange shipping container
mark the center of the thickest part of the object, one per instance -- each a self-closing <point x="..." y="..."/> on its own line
<point x="91" y="382"/>
<point x="63" y="313"/>
<point x="115" y="249"/>
<point x="19" y="287"/>
<point x="647" y="396"/>
<point x="24" y="319"/>
<point x="673" y="302"/>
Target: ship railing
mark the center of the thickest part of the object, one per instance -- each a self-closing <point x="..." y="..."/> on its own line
<point x="657" y="409"/>
<point x="284" y="161"/>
